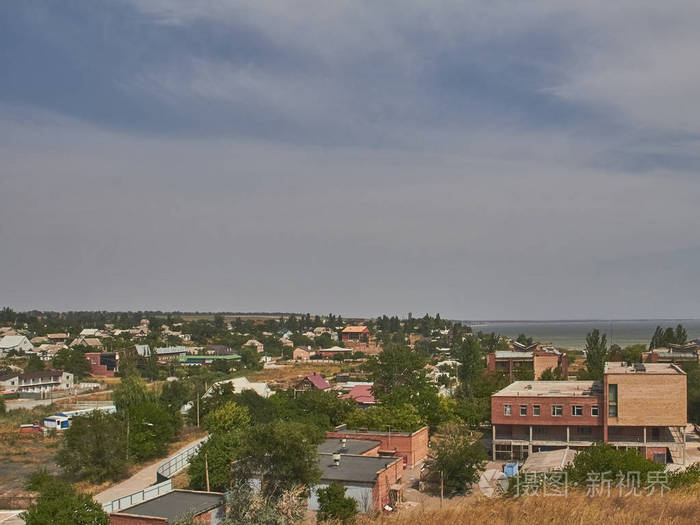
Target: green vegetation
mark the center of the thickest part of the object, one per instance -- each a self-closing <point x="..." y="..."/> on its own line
<point x="606" y="458"/>
<point x="399" y="418"/>
<point x="399" y="378"/>
<point x="282" y="454"/>
<point x="596" y="355"/>
<point x="458" y="455"/>
<point x="551" y="375"/>
<point x="59" y="503"/>
<point x="34" y="364"/>
<point x="334" y="505"/>
<point x="72" y="360"/>
<point x="93" y="448"/>
<point x="664" y="337"/>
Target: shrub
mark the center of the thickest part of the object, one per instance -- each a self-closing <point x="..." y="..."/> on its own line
<point x="334" y="505"/>
<point x="59" y="503"/>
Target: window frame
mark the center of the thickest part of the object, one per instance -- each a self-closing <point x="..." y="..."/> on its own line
<point x="577" y="408"/>
<point x="595" y="410"/>
<point x="523" y="407"/>
<point x="536" y="410"/>
<point x="507" y="410"/>
<point x="557" y="408"/>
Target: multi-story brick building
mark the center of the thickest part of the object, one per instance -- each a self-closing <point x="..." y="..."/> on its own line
<point x="535" y="357"/>
<point x="641" y="406"/>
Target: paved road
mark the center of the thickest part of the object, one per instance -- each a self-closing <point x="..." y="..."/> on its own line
<point x="142" y="479"/>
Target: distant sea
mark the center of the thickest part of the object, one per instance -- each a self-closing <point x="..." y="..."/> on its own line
<point x="572" y="334"/>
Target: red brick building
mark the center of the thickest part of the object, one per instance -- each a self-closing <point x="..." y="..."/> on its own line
<point x="103" y="364"/>
<point x="359" y="334"/>
<point x="369" y="476"/>
<point x="411" y="446"/>
<point x="635" y="406"/>
<point x="536" y="357"/>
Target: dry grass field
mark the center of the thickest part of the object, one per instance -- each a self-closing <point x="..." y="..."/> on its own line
<point x="678" y="507"/>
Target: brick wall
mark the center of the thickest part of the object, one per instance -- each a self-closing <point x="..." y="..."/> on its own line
<point x="411" y="447"/>
<point x="498" y="416"/>
<point x="646" y="399"/>
<point x="385" y="479"/>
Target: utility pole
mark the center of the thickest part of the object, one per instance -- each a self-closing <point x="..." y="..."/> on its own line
<point x="442" y="486"/>
<point x="197" y="409"/>
<point x="206" y="469"/>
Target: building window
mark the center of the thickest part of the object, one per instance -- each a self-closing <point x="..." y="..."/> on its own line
<point x="594" y="410"/>
<point x="506" y="410"/>
<point x="523" y="410"/>
<point x="576" y="410"/>
<point x="557" y="410"/>
<point x="535" y="410"/>
<point x="612" y="400"/>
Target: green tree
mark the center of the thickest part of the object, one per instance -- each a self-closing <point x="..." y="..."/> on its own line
<point x="130" y="393"/>
<point x="606" y="458"/>
<point x="283" y="454"/>
<point x="92" y="447"/>
<point x="524" y="373"/>
<point x="470" y="356"/>
<point x="596" y="354"/>
<point x="250" y="358"/>
<point x="227" y="418"/>
<point x="551" y="374"/>
<point x="335" y="505"/>
<point x="3" y="405"/>
<point x="400" y="418"/>
<point x="72" y="360"/>
<point x="151" y="370"/>
<point x="59" y="503"/>
<point x="399" y="377"/>
<point x="175" y="394"/>
<point x="217" y="454"/>
<point x="151" y="427"/>
<point x="458" y="455"/>
<point x="681" y="335"/>
<point x="34" y="364"/>
<point x="524" y="340"/>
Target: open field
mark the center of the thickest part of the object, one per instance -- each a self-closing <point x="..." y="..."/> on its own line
<point x="678" y="507"/>
<point x="289" y="373"/>
<point x="20" y="456"/>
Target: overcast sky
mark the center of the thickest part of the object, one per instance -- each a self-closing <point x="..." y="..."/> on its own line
<point x="481" y="159"/>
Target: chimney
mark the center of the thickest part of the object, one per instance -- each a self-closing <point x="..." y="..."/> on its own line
<point x="336" y="460"/>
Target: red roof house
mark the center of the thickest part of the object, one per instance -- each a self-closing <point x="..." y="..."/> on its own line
<point x="362" y="394"/>
<point x="312" y="381"/>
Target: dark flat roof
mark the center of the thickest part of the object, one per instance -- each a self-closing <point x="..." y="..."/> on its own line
<point x="358" y="469"/>
<point x="175" y="504"/>
<point x="352" y="446"/>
